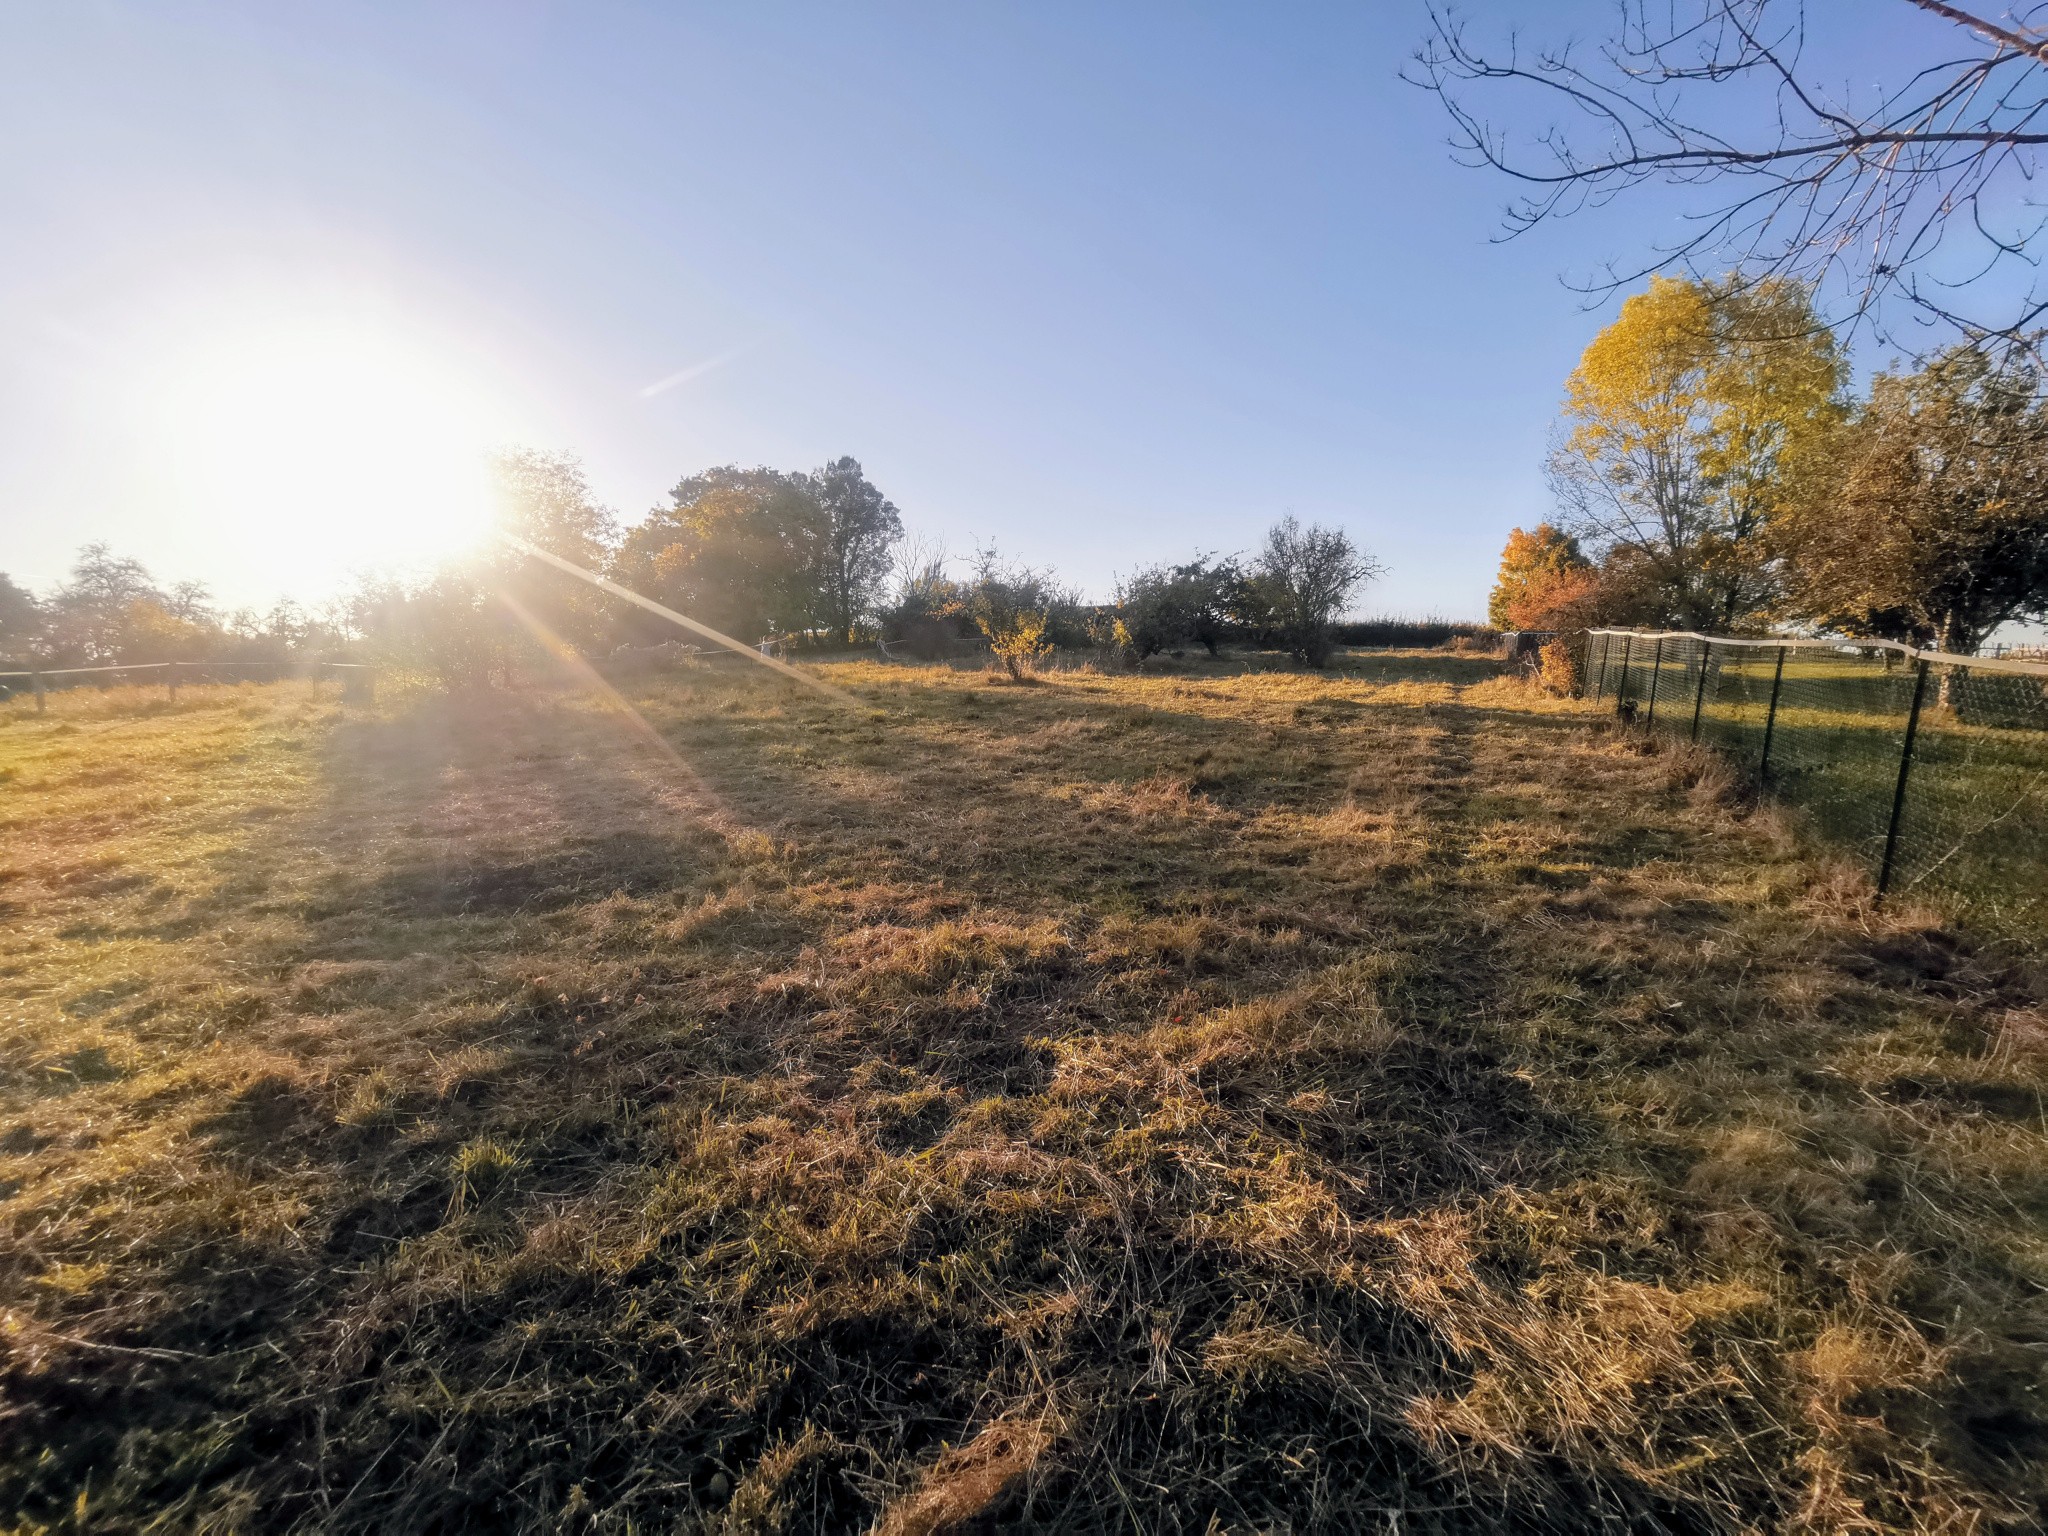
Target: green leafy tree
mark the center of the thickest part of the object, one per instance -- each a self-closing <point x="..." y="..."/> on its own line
<point x="1167" y="607"/>
<point x="738" y="549"/>
<point x="453" y="628"/>
<point x="861" y="528"/>
<point x="22" y="622"/>
<point x="545" y="499"/>
<point x="1933" y="527"/>
<point x="458" y="629"/>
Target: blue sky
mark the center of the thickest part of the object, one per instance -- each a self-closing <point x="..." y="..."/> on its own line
<point x="1108" y="284"/>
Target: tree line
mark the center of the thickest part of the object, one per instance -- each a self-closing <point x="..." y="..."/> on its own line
<point x="111" y="610"/>
<point x="817" y="558"/>
<point x="1286" y="596"/>
<point x="1712" y="470"/>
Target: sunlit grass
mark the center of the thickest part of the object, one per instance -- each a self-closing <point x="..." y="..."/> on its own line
<point x="1124" y="1100"/>
<point x="1974" y="824"/>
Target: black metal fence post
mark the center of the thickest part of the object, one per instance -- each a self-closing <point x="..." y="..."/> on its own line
<point x="1628" y="646"/>
<point x="1600" y="683"/>
<point x="1891" y="833"/>
<point x="1763" y="760"/>
<point x="1656" y="676"/>
<point x="1699" y="699"/>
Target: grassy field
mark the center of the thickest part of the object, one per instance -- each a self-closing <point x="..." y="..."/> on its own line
<point x="1188" y="1102"/>
<point x="1974" y="833"/>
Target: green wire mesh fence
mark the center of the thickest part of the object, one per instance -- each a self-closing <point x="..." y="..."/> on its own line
<point x="1931" y="769"/>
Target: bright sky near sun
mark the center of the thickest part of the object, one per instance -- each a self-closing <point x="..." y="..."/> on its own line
<point x="1110" y="284"/>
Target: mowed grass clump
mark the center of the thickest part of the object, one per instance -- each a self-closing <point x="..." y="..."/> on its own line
<point x="1219" y="1100"/>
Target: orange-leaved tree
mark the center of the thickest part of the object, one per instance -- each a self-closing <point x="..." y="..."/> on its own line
<point x="1544" y="582"/>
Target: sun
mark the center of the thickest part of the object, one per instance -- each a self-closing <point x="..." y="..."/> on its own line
<point x="331" y="445"/>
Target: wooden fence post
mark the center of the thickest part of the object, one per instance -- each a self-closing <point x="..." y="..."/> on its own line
<point x="36" y="682"/>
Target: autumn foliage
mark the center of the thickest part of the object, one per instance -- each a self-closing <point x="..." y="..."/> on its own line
<point x="1544" y="581"/>
<point x="1688" y="426"/>
<point x="1931" y="525"/>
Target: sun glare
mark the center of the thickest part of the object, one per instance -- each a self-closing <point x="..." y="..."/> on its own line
<point x="331" y="447"/>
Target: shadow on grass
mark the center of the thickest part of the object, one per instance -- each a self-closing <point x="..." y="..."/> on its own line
<point x="846" y="1090"/>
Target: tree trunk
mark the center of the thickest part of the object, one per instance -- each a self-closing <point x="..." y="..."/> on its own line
<point x="1955" y="638"/>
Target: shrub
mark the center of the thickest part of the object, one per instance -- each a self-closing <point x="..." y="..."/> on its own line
<point x="1167" y="607"/>
<point x="1416" y="634"/>
<point x="1014" y="606"/>
<point x="1021" y="643"/>
<point x="1558" y="668"/>
<point x="450" y="627"/>
<point x="1110" y="638"/>
<point x="929" y="613"/>
<point x="1481" y="642"/>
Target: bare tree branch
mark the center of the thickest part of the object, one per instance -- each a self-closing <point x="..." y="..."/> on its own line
<point x="2003" y="36"/>
<point x="1922" y="195"/>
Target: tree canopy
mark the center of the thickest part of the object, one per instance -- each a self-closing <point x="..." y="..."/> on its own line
<point x="1165" y="607"/>
<point x="545" y="499"/>
<point x="21" y="621"/>
<point x="89" y="615"/>
<point x="736" y="548"/>
<point x="1301" y="580"/>
<point x="1544" y="578"/>
<point x="1933" y="525"/>
<point x="861" y="528"/>
<point x="1685" y="426"/>
<point x="758" y="551"/>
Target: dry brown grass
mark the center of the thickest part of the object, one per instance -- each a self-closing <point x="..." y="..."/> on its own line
<point x="1229" y="1099"/>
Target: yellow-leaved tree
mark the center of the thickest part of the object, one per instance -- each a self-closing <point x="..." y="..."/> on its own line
<point x="1687" y="426"/>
